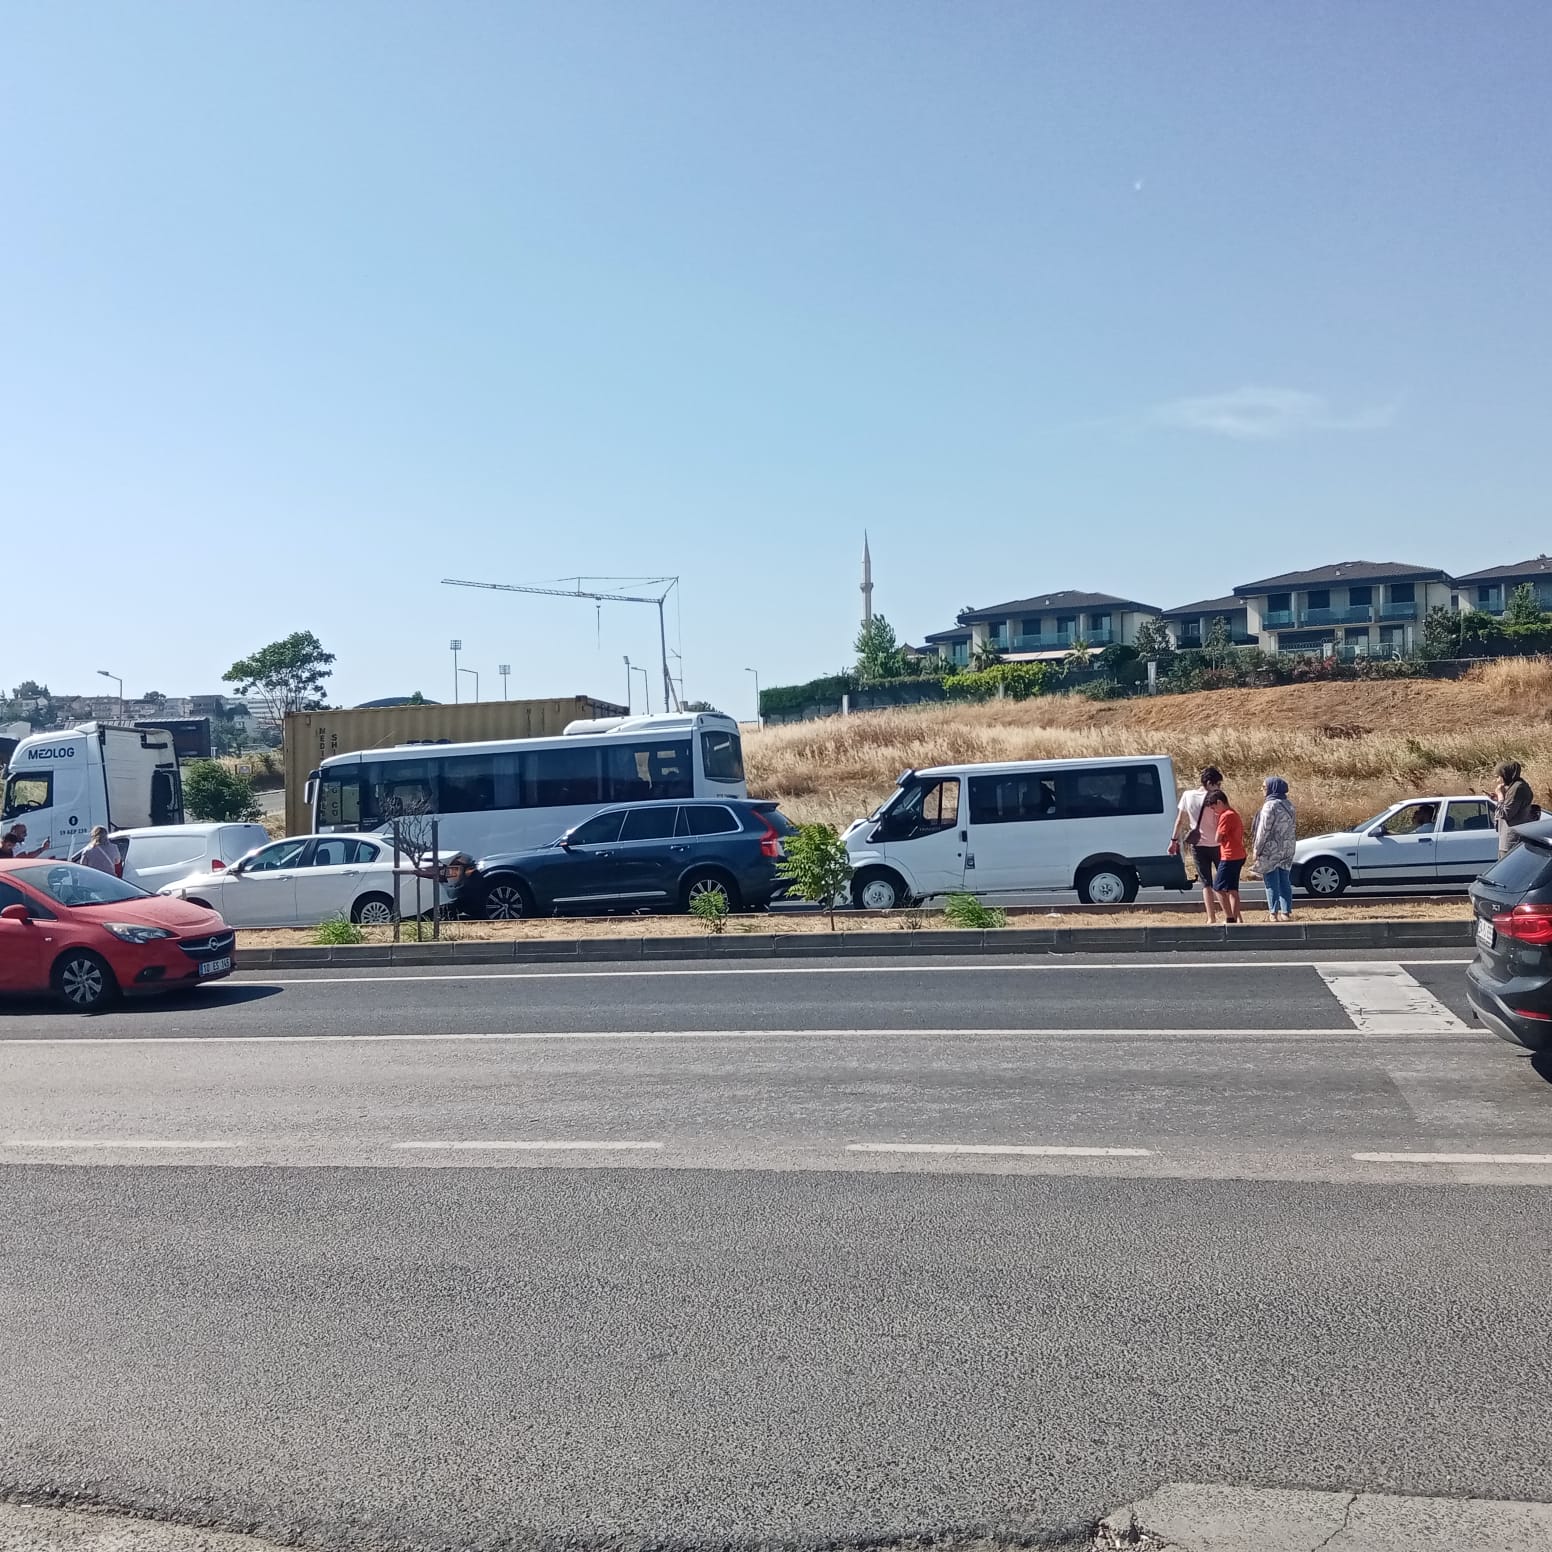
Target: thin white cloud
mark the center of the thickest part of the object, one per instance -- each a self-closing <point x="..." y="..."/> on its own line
<point x="1266" y="414"/>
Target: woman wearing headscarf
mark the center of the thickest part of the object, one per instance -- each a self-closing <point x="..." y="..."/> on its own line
<point x="1274" y="837"/>
<point x="1516" y="805"/>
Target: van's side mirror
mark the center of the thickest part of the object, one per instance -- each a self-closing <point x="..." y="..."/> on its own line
<point x="16" y="913"/>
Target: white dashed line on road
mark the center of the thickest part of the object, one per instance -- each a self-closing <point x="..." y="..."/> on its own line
<point x="111" y="1142"/>
<point x="568" y="1146"/>
<point x="1015" y="1150"/>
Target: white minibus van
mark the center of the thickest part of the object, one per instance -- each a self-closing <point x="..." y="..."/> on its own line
<point x="1099" y="826"/>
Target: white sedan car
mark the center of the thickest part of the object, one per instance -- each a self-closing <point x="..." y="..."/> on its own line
<point x="1441" y="841"/>
<point x="308" y="879"/>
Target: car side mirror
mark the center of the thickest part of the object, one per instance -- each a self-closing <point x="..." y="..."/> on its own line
<point x="1379" y="832"/>
<point x="18" y="913"/>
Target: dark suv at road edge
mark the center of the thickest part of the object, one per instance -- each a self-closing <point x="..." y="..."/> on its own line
<point x="1510" y="980"/>
<point x="637" y="856"/>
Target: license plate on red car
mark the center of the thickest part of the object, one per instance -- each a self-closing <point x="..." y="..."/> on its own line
<point x="215" y="966"/>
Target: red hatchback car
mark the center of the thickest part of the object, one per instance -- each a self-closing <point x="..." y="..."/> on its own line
<point x="88" y="937"/>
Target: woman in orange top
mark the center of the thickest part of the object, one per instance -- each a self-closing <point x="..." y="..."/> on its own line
<point x="1231" y="853"/>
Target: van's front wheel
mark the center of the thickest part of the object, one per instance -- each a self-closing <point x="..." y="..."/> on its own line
<point x="878" y="889"/>
<point x="1107" y="884"/>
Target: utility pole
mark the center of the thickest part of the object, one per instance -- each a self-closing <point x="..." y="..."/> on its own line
<point x="457" y="647"/>
<point x="504" y="669"/>
<point x="668" y="584"/>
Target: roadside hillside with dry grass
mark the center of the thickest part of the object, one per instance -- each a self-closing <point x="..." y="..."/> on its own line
<point x="1347" y="749"/>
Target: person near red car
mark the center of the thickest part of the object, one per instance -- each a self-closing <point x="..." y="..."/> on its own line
<point x="88" y="937"/>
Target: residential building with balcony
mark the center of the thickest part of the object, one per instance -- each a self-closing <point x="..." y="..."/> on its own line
<point x="1356" y="608"/>
<point x="1189" y="625"/>
<point x="953" y="646"/>
<point x="1489" y="590"/>
<point x="1028" y="630"/>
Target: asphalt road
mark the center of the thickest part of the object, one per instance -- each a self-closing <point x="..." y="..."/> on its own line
<point x="807" y="1255"/>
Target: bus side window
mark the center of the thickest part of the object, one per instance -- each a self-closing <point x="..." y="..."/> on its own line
<point x="560" y="778"/>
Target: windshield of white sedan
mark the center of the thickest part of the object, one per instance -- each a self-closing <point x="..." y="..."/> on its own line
<point x="67" y="884"/>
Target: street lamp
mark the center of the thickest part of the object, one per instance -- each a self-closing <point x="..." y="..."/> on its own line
<point x="646" y="687"/>
<point x="476" y="674"/>
<point x="629" y="686"/>
<point x="120" y="683"/>
<point x="759" y="721"/>
<point x="504" y="669"/>
<point x="457" y="647"/>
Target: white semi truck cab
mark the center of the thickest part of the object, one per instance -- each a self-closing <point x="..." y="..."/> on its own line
<point x="61" y="784"/>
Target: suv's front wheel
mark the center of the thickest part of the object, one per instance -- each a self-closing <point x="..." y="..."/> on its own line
<point x="508" y="899"/>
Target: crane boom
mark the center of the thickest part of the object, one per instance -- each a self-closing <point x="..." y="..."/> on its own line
<point x="670" y="692"/>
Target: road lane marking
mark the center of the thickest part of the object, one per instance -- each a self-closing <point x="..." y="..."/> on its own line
<point x="111" y="1142"/>
<point x="1111" y="1033"/>
<point x="1017" y="1150"/>
<point x="1453" y="1158"/>
<point x="980" y="966"/>
<point x="1379" y="998"/>
<point x="568" y="1146"/>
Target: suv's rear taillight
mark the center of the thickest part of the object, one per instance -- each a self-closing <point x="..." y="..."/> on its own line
<point x="1527" y="923"/>
<point x="216" y="865"/>
<point x="770" y="842"/>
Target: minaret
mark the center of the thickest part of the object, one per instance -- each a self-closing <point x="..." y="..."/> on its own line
<point x="867" y="581"/>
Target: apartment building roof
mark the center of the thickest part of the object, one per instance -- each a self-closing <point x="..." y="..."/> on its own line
<point x="958" y="633"/>
<point x="1526" y="569"/>
<point x="1346" y="571"/>
<point x="1063" y="600"/>
<point x="1206" y="606"/>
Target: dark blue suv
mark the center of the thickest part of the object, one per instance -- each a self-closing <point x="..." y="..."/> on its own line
<point x="636" y="856"/>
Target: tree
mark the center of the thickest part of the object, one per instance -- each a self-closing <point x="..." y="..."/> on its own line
<point x="878" y="651"/>
<point x="817" y="865"/>
<point x="1152" y="640"/>
<point x="985" y="655"/>
<point x="1219" y="645"/>
<point x="417" y="699"/>
<point x="31" y="690"/>
<point x="699" y="706"/>
<point x="1524" y="609"/>
<point x="288" y="675"/>
<point x="215" y="793"/>
<point x="154" y="698"/>
<point x="1444" y="632"/>
<point x="1077" y="658"/>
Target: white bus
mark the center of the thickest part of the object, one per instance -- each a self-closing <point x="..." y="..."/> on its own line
<point x="510" y="794"/>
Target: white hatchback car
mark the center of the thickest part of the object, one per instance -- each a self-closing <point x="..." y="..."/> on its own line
<point x="308" y="879"/>
<point x="1449" y="840"/>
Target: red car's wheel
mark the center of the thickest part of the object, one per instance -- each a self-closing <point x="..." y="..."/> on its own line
<point x="83" y="981"/>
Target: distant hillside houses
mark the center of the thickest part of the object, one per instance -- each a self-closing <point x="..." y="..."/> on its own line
<point x="1352" y="608"/>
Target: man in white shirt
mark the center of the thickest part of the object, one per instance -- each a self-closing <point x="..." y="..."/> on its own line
<point x="1198" y="826"/>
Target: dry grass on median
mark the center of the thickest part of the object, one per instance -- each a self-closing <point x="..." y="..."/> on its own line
<point x="896" y="921"/>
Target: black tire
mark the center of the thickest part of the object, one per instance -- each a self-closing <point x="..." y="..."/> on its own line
<point x="704" y="883"/>
<point x="879" y="889"/>
<point x="1325" y="878"/>
<point x="373" y="911"/>
<point x="83" y="981"/>
<point x="1107" y="883"/>
<point x="507" y="899"/>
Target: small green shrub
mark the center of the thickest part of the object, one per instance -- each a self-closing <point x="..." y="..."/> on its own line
<point x="217" y="795"/>
<point x="816" y="865"/>
<point x="711" y="910"/>
<point x="337" y="931"/>
<point x="967" y="911"/>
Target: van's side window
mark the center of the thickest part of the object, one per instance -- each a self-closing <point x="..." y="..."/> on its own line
<point x="1109" y="793"/>
<point x="931" y="806"/>
<point x="1014" y="798"/>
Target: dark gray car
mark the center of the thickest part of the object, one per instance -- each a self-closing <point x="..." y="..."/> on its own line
<point x="636" y="856"/>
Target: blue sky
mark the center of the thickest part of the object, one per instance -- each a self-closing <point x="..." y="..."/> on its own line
<point x="304" y="307"/>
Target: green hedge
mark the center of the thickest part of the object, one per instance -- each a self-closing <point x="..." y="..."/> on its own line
<point x="1017" y="681"/>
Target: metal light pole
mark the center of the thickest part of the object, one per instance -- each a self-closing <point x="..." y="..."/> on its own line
<point x="505" y="670"/>
<point x="120" y="683"/>
<point x="457" y="647"/>
<point x="476" y="673"/>
<point x="629" y="686"/>
<point x="759" y="721"/>
<point x="646" y="687"/>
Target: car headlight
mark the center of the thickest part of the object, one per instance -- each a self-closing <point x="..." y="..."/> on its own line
<point x="129" y="932"/>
